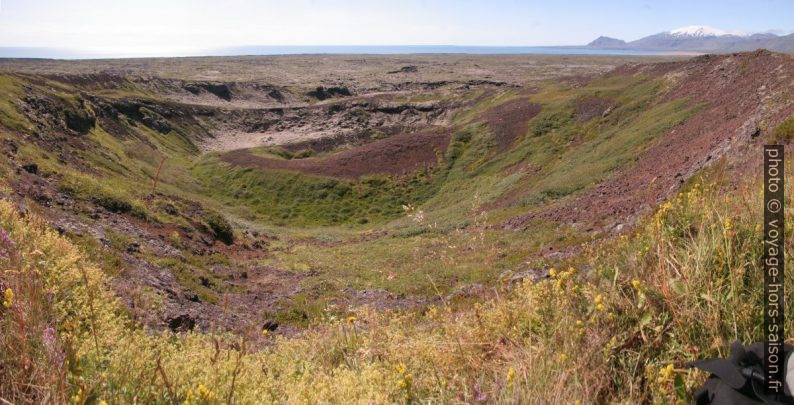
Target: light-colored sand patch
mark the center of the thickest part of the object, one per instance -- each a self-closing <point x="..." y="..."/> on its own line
<point x="232" y="140"/>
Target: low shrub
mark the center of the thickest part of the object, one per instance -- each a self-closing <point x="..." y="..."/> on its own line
<point x="220" y="227"/>
<point x="303" y="154"/>
<point x="549" y="121"/>
<point x="113" y="203"/>
<point x="280" y="152"/>
<point x="785" y="131"/>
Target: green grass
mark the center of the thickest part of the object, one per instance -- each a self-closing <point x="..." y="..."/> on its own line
<point x="425" y="262"/>
<point x="9" y="116"/>
<point x="290" y="198"/>
<point x="271" y="152"/>
<point x="784" y="132"/>
<point x="607" y="150"/>
<point x="473" y="114"/>
<point x="567" y="156"/>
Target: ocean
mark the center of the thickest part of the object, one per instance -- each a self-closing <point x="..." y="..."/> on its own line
<point x="58" y="53"/>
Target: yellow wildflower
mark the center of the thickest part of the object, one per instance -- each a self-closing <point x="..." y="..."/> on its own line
<point x="562" y="357"/>
<point x="77" y="398"/>
<point x="666" y="374"/>
<point x="400" y="368"/>
<point x="636" y="284"/>
<point x="612" y="342"/>
<point x="205" y="393"/>
<point x="409" y="379"/>
<point x="511" y="375"/>
<point x="351" y="319"/>
<point x="265" y="332"/>
<point x="8" y="298"/>
<point x="552" y="272"/>
<point x="406" y="381"/>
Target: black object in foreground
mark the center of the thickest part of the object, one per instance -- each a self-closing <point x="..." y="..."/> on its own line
<point x="740" y="379"/>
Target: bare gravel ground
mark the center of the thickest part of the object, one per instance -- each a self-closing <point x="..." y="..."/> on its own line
<point x="363" y="71"/>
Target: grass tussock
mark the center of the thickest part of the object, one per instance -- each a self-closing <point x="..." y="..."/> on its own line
<point x="616" y="324"/>
<point x="784" y="132"/>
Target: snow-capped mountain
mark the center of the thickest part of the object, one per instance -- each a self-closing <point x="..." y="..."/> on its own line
<point x="701" y="31"/>
<point x="700" y="38"/>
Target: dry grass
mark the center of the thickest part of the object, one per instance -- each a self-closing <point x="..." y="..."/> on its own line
<point x="31" y="363"/>
<point x="686" y="284"/>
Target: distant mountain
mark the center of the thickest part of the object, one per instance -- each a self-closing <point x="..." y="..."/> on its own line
<point x="698" y="31"/>
<point x="607" y="43"/>
<point x="700" y="38"/>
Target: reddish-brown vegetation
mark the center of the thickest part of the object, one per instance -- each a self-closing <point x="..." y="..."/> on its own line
<point x="508" y="121"/>
<point x="395" y="155"/>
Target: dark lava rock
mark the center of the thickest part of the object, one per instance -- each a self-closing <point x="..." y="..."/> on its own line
<point x="205" y="281"/>
<point x="405" y="69"/>
<point x="31" y="168"/>
<point x="220" y="90"/>
<point x="170" y="209"/>
<point x="12" y="147"/>
<point x="270" y="325"/>
<point x="80" y="120"/>
<point x="182" y="323"/>
<point x="220" y="227"/>
<point x="276" y="95"/>
<point x="113" y="204"/>
<point x="154" y="120"/>
<point x="322" y="93"/>
<point x="134" y="247"/>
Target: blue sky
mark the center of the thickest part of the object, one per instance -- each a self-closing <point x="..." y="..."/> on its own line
<point x="176" y="26"/>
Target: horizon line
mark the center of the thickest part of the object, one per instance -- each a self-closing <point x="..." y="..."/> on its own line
<point x="57" y="53"/>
